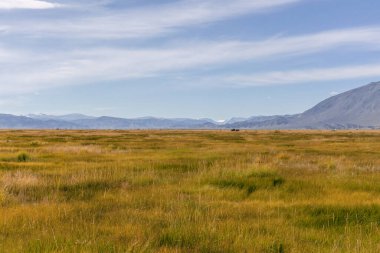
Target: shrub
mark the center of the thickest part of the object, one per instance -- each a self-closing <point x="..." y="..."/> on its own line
<point x="23" y="157"/>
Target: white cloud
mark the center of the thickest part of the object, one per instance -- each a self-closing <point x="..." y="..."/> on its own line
<point x="23" y="71"/>
<point x="362" y="38"/>
<point x="144" y="22"/>
<point x="26" y="4"/>
<point x="307" y="75"/>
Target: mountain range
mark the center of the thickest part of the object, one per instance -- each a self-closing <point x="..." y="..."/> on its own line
<point x="357" y="108"/>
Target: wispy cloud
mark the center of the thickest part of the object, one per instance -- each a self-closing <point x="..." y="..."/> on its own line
<point x="304" y="76"/>
<point x="26" y="4"/>
<point x="25" y="71"/>
<point x="143" y="22"/>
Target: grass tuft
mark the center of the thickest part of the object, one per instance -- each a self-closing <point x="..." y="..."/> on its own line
<point x="23" y="157"/>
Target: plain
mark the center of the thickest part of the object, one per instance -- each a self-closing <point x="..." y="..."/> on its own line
<point x="189" y="191"/>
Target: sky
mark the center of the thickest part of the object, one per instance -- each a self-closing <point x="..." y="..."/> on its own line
<point x="183" y="58"/>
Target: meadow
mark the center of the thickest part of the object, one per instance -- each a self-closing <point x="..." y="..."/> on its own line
<point x="189" y="191"/>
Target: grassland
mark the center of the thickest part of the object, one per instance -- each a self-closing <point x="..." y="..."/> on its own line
<point x="189" y="191"/>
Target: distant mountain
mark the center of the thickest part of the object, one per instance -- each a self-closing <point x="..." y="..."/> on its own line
<point x="235" y="120"/>
<point x="141" y="123"/>
<point x="357" y="108"/>
<point x="272" y="122"/>
<point x="67" y="117"/>
<point x="8" y="121"/>
<point x="80" y="121"/>
<point x="252" y="120"/>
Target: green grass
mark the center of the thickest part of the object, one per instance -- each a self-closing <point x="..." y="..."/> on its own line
<point x="189" y="191"/>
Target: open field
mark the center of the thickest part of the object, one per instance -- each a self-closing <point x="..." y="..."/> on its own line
<point x="189" y="191"/>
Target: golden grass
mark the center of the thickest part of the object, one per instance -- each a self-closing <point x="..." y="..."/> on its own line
<point x="189" y="191"/>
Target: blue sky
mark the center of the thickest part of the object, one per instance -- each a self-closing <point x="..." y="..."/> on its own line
<point x="187" y="58"/>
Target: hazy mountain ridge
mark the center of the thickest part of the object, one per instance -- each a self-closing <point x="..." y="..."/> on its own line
<point x="8" y="121"/>
<point x="275" y="122"/>
<point x="140" y="123"/>
<point x="253" y="119"/>
<point x="357" y="108"/>
<point x="67" y="117"/>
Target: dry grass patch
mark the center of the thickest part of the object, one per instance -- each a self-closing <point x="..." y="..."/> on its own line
<point x="19" y="179"/>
